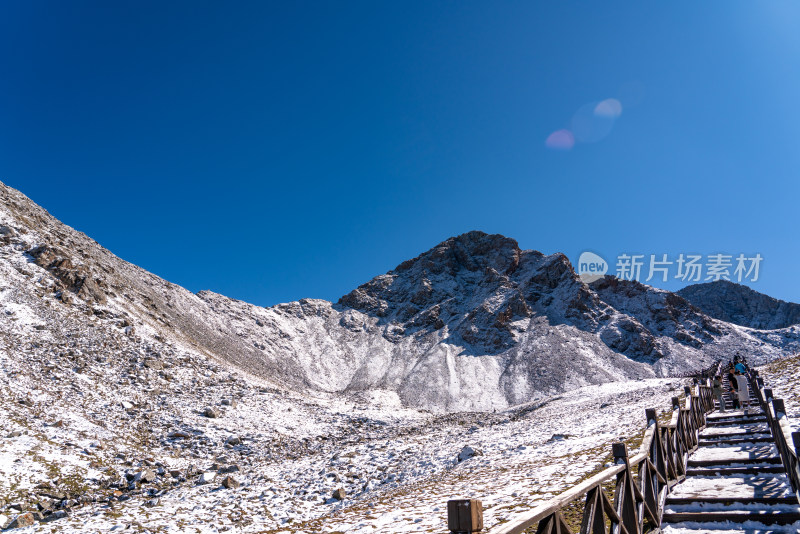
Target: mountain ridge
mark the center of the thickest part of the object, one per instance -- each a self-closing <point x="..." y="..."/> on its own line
<point x="474" y="323"/>
<point x="741" y="305"/>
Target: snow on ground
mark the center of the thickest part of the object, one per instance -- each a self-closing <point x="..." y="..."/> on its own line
<point x="398" y="467"/>
<point x="783" y="376"/>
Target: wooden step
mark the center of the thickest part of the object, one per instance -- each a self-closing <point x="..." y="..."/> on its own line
<point x="725" y="471"/>
<point x="740" y="421"/>
<point x="724" y="461"/>
<point x="735" y="435"/>
<point x="767" y="518"/>
<point x="736" y="416"/>
<point x="740" y="441"/>
<point x="725" y="500"/>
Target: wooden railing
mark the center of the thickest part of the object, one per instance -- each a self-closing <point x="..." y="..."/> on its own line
<point x="709" y="372"/>
<point x="638" y="500"/>
<point x="787" y="441"/>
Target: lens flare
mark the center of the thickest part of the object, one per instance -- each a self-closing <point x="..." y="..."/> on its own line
<point x="610" y="108"/>
<point x="590" y="127"/>
<point x="560" y="140"/>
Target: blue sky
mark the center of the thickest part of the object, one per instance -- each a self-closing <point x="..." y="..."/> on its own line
<point x="274" y="151"/>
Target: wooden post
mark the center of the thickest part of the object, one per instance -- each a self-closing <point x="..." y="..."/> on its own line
<point x="767" y="394"/>
<point x="650" y="414"/>
<point x="687" y="390"/>
<point x="464" y="516"/>
<point x="777" y="405"/>
<point x="796" y="442"/>
<point x="620" y="452"/>
<point x="676" y="403"/>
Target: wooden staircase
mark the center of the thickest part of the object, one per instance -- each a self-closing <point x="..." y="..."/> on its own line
<point x="735" y="480"/>
<point x="706" y="470"/>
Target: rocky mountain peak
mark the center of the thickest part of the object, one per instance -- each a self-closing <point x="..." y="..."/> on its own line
<point x="472" y="251"/>
<point x="738" y="304"/>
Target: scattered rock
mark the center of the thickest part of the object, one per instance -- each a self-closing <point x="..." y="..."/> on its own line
<point x="559" y="437"/>
<point x="230" y="482"/>
<point x="22" y="520"/>
<point x="179" y="434"/>
<point x="151" y="363"/>
<point x="229" y="402"/>
<point x="145" y="476"/>
<point x="468" y="452"/>
<point x="233" y="468"/>
<point x="58" y="514"/>
<point x="14" y="434"/>
<point x="207" y="477"/>
<point x="233" y="440"/>
<point x="126" y="405"/>
<point x="211" y="412"/>
<point x="339" y="494"/>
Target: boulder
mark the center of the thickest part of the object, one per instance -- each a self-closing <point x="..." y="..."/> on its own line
<point x="22" y="520"/>
<point x="233" y="468"/>
<point x="58" y="514"/>
<point x="211" y="412"/>
<point x="339" y="494"/>
<point x="468" y="452"/>
<point x="230" y="482"/>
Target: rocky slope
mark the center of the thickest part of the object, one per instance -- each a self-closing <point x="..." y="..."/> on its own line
<point x="738" y="304"/>
<point x="475" y="323"/>
<point x="126" y="400"/>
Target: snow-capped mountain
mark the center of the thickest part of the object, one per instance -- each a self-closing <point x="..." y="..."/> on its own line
<point x="127" y="400"/>
<point x="738" y="304"/>
<point x="475" y="323"/>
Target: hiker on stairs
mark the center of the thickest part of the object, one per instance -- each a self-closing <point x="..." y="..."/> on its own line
<point x="718" y="392"/>
<point x="734" y="388"/>
<point x="743" y="390"/>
